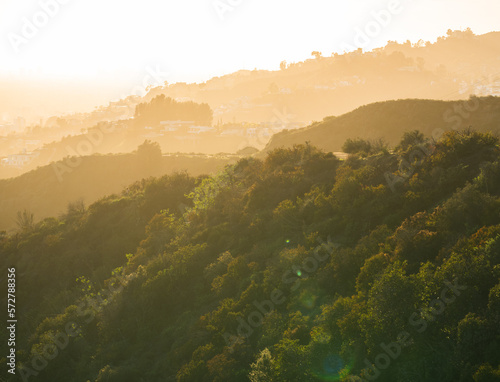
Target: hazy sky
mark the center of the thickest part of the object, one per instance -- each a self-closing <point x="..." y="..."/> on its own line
<point x="192" y="40"/>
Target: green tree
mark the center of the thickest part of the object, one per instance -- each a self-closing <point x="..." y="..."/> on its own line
<point x="262" y="367"/>
<point x="25" y="221"/>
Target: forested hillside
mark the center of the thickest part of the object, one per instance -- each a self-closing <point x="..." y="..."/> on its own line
<point x="297" y="267"/>
<point x="388" y="120"/>
<point x="47" y="190"/>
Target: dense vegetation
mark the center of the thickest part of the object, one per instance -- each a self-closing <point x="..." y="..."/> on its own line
<point x="162" y="108"/>
<point x="299" y="267"/>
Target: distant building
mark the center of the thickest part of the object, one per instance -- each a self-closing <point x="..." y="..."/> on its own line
<point x="409" y="69"/>
<point x="32" y="142"/>
<point x="251" y="131"/>
<point x="6" y="129"/>
<point x="152" y="135"/>
<point x="200" y="129"/>
<point x="176" y="125"/>
<point x="19" y="160"/>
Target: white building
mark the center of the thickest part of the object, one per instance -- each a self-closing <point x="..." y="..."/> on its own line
<point x="18" y="160"/>
<point x="176" y="125"/>
<point x="200" y="129"/>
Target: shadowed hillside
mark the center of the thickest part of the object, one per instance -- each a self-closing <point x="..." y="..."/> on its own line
<point x="48" y="190"/>
<point x="388" y="120"/>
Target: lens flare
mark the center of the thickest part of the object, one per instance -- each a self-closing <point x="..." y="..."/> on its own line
<point x="333" y="368"/>
<point x="308" y="300"/>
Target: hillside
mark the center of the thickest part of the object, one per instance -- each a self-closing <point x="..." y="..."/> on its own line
<point x="42" y="188"/>
<point x="178" y="127"/>
<point x="247" y="107"/>
<point x="389" y="120"/>
<point x="48" y="190"/>
<point x="457" y="65"/>
<point x="297" y="267"/>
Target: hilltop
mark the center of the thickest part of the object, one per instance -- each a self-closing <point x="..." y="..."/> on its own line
<point x="338" y="83"/>
<point x="389" y="120"/>
<point x="456" y="66"/>
<point x="50" y="190"/>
